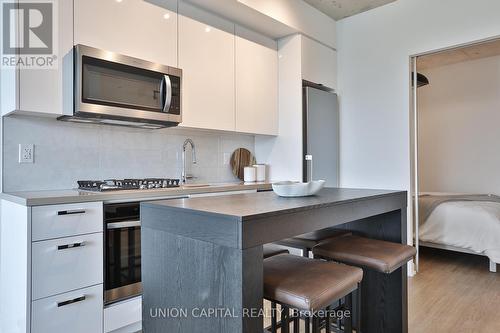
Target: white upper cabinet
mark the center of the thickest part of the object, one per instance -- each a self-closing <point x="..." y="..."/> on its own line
<point x="256" y="83"/>
<point x="134" y="28"/>
<point x="40" y="90"/>
<point x="206" y="57"/>
<point x="319" y="63"/>
<point x="230" y="78"/>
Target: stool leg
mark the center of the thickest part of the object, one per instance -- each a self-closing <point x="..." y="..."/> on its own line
<point x="296" y="321"/>
<point x="338" y="321"/>
<point x="296" y="325"/>
<point x="307" y="322"/>
<point x="358" y="309"/>
<point x="327" y="320"/>
<point x="348" y="320"/>
<point x="315" y="322"/>
<point x="274" y="326"/>
<point x="285" y="320"/>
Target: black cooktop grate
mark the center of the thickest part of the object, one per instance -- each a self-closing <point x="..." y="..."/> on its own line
<point x="127" y="184"/>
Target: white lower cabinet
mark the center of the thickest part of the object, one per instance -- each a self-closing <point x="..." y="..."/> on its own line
<point x="66" y="264"/>
<point x="66" y="220"/>
<point x="79" y="311"/>
<point x="124" y="316"/>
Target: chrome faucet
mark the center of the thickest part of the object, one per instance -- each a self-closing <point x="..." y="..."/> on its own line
<point x="185" y="177"/>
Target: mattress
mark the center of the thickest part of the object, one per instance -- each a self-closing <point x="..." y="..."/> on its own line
<point x="472" y="225"/>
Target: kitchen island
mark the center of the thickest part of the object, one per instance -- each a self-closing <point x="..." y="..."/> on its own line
<point x="202" y="257"/>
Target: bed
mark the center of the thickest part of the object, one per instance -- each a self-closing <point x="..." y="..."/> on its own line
<point x="463" y="223"/>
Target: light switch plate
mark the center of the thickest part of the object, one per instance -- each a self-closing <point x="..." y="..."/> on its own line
<point x="26" y="153"/>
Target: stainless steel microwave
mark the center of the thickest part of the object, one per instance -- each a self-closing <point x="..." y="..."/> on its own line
<point x="116" y="89"/>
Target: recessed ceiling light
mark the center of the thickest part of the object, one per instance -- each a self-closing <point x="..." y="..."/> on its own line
<point x="166" y="16"/>
<point x="118" y="1"/>
<point x="208" y="29"/>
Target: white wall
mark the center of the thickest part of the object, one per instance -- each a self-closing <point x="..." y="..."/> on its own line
<point x="374" y="49"/>
<point x="459" y="128"/>
<point x="66" y="152"/>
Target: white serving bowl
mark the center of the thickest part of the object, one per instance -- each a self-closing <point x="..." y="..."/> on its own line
<point x="298" y="189"/>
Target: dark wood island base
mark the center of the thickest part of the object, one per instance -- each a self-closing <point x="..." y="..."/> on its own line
<point x="202" y="257"/>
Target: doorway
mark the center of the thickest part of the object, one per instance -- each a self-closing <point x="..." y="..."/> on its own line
<point x="455" y="101"/>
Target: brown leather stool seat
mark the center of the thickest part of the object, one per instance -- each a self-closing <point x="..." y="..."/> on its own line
<point x="271" y="250"/>
<point x="377" y="257"/>
<point x="307" y="241"/>
<point x="308" y="284"/>
<point x="374" y="254"/>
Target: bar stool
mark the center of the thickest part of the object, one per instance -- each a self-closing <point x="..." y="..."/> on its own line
<point x="308" y="285"/>
<point x="370" y="254"/>
<point x="271" y="250"/>
<point x="307" y="241"/>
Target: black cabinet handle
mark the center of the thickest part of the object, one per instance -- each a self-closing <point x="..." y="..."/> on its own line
<point x="70" y="246"/>
<point x="71" y="212"/>
<point x="71" y="301"/>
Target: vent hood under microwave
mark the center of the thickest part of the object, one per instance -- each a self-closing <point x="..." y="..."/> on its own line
<point x="115" y="89"/>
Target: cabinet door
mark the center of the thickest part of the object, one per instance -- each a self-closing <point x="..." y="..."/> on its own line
<point x="256" y="86"/>
<point x="64" y="264"/>
<point x="41" y="90"/>
<point x="79" y="311"/>
<point x="54" y="221"/>
<point x="319" y="63"/>
<point x="206" y="56"/>
<point x="131" y="27"/>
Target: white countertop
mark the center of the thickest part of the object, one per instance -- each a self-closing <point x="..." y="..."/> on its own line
<point x="53" y="197"/>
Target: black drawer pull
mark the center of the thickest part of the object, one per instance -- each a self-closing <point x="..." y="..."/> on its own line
<point x="71" y="212"/>
<point x="70" y="301"/>
<point x="70" y="246"/>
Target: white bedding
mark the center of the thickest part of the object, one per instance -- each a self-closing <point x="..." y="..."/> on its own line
<point x="473" y="225"/>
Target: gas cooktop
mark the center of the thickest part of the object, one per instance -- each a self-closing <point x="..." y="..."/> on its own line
<point x="126" y="184"/>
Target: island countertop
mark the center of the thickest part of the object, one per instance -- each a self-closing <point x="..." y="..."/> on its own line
<point x="207" y="253"/>
<point x="243" y="207"/>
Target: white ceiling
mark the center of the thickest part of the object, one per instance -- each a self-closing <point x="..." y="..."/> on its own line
<point x="339" y="9"/>
<point x="461" y="54"/>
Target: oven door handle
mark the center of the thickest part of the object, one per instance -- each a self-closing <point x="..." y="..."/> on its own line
<point x="121" y="225"/>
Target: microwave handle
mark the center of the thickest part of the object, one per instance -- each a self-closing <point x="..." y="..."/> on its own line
<point x="167" y="91"/>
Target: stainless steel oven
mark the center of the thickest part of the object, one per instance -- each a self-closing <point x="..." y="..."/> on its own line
<point x="122" y="250"/>
<point x="122" y="253"/>
<point x="122" y="90"/>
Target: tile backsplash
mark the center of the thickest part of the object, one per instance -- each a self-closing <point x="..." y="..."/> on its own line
<point x="66" y="152"/>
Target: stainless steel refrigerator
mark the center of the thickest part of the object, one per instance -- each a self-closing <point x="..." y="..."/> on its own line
<point x="320" y="134"/>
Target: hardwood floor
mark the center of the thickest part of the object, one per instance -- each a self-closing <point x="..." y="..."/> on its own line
<point x="454" y="292"/>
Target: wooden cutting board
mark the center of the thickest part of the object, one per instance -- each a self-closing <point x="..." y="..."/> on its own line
<point x="241" y="158"/>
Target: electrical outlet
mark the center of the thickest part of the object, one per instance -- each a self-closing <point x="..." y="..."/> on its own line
<point x="26" y="153"/>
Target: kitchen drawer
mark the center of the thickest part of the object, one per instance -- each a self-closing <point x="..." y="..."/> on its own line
<point x="65" y="264"/>
<point x="123" y="315"/>
<point x="79" y="311"/>
<point x="66" y="220"/>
